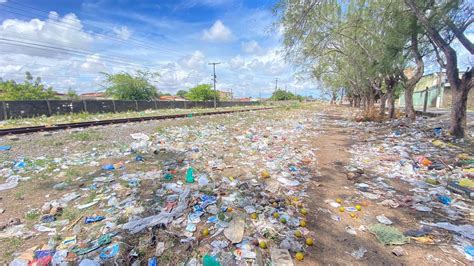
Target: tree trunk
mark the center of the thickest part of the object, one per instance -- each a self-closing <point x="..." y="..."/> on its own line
<point x="370" y="99"/>
<point x="390" y="83"/>
<point x="333" y="98"/>
<point x="409" y="109"/>
<point x="418" y="72"/>
<point x="358" y="101"/>
<point x="459" y="87"/>
<point x="459" y="105"/>
<point x="342" y="96"/>
<point x="391" y="104"/>
<point x="383" y="99"/>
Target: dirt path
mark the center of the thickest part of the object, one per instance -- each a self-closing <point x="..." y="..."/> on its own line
<point x="333" y="244"/>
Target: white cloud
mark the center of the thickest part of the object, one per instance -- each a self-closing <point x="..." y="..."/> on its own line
<point x="55" y="31"/>
<point x="217" y="33"/>
<point x="123" y="32"/>
<point x="236" y="62"/>
<point x="251" y="47"/>
<point x="270" y="63"/>
<point x="93" y="64"/>
<point x="174" y="77"/>
<point x="3" y="1"/>
<point x="194" y="61"/>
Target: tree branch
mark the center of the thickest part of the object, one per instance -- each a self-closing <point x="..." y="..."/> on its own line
<point x="459" y="34"/>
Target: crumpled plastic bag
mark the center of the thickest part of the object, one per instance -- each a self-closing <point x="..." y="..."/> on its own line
<point x="291" y="244"/>
<point x="465" y="230"/>
<point x="141" y="142"/>
<point x="388" y="235"/>
<point x="11" y="182"/>
<point x="164" y="217"/>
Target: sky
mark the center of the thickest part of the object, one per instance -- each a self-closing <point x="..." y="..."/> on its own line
<point x="176" y="38"/>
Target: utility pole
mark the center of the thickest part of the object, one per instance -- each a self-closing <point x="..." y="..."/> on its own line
<point x="231" y="94"/>
<point x="276" y="84"/>
<point x="215" y="91"/>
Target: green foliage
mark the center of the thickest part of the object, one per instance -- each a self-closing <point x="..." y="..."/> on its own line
<point x="125" y="86"/>
<point x="282" y="95"/>
<point x="351" y="45"/>
<point x="30" y="89"/>
<point x="182" y="93"/>
<point x="71" y="94"/>
<point x="70" y="213"/>
<point x="86" y="136"/>
<point x="20" y="194"/>
<point x="201" y="93"/>
<point x="33" y="214"/>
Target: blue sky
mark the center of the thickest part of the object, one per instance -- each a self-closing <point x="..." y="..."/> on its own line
<point x="174" y="38"/>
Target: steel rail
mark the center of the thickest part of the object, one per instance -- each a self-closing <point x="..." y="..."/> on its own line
<point x="55" y="127"/>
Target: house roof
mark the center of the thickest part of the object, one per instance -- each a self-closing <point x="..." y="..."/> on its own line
<point x="170" y="98"/>
<point x="94" y="94"/>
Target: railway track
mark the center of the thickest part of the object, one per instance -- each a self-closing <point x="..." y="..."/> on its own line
<point x="55" y="127"/>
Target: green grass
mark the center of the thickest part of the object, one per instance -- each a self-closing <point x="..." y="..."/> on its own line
<point x="86" y="136"/>
<point x="122" y="219"/>
<point x="71" y="214"/>
<point x="32" y="215"/>
<point x="9" y="246"/>
<point x="72" y="173"/>
<point x="19" y="194"/>
<point x="90" y="198"/>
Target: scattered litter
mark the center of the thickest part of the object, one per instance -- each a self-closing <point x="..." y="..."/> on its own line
<point x="5" y="148"/>
<point x="388" y="235"/>
<point x="383" y="220"/>
<point x="398" y="251"/>
<point x="358" y="254"/>
<point x="10" y="183"/>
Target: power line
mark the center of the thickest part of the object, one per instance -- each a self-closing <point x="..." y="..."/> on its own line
<point x="43" y="46"/>
<point x="215" y="91"/>
<point x="80" y="61"/>
<point x="95" y="33"/>
<point x="135" y="42"/>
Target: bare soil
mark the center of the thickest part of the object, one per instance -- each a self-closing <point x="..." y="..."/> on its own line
<point x="333" y="244"/>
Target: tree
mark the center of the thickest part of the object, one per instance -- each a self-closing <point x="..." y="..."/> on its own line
<point x="30" y="89"/>
<point x="201" y="93"/>
<point x="181" y="93"/>
<point x="125" y="86"/>
<point x="360" y="47"/>
<point x="71" y="94"/>
<point x="341" y="44"/>
<point x="445" y="20"/>
<point x="282" y="95"/>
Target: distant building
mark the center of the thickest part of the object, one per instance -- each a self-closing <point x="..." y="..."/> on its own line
<point x="247" y="99"/>
<point x="60" y="96"/>
<point x="224" y="95"/>
<point x="439" y="92"/>
<point x="94" y="96"/>
<point x="171" y="98"/>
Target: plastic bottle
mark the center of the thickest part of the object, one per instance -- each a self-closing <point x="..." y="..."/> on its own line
<point x="168" y="176"/>
<point x="189" y="175"/>
<point x="210" y="261"/>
